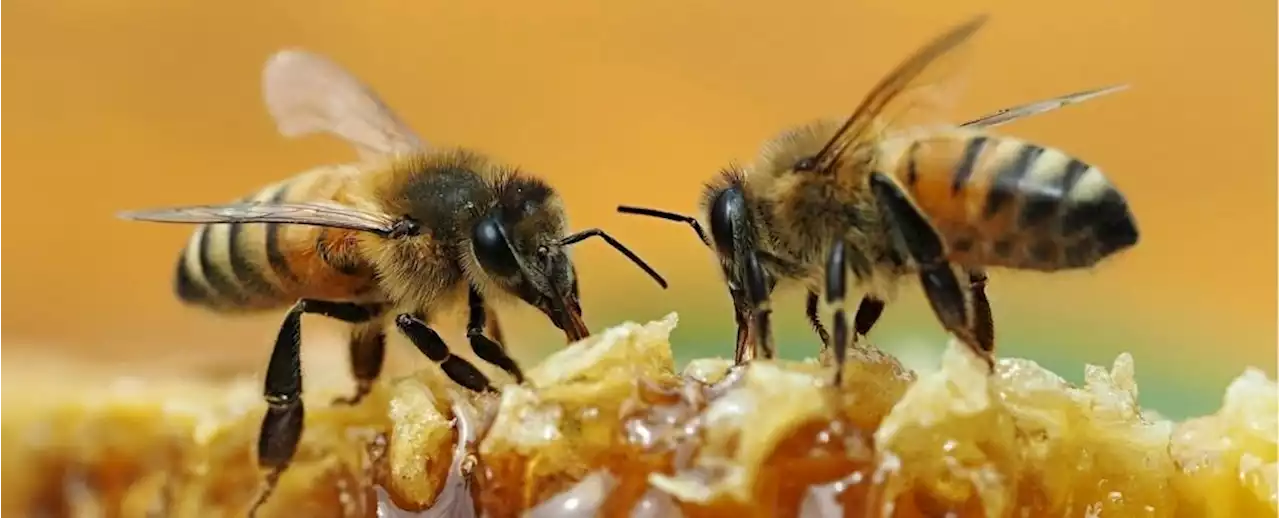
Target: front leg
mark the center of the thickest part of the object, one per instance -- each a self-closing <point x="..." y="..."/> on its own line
<point x="744" y="348"/>
<point x="758" y="296"/>
<point x="283" y="422"/>
<point x="837" y="283"/>
<point x="492" y="327"/>
<point x="488" y="350"/>
<point x="936" y="274"/>
<point x="429" y="342"/>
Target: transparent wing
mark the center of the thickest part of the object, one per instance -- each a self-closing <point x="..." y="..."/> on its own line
<point x="892" y="143"/>
<point x="925" y="85"/>
<point x="315" y="214"/>
<point x="307" y="93"/>
<point x="1008" y="115"/>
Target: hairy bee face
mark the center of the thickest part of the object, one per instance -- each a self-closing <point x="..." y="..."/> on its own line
<point x="539" y="273"/>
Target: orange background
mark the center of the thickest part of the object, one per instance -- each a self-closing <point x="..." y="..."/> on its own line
<point x="117" y="105"/>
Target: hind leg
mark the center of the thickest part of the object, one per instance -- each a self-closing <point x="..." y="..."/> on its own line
<point x="283" y="422"/>
<point x="941" y="286"/>
<point x="984" y="327"/>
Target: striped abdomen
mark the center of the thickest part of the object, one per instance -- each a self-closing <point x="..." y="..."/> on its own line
<point x="1001" y="201"/>
<point x="245" y="267"/>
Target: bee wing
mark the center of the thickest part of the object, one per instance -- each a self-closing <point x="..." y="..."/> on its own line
<point x="927" y="83"/>
<point x="891" y="144"/>
<point x="1008" y="115"/>
<point x="307" y="93"/>
<point x="315" y="214"/>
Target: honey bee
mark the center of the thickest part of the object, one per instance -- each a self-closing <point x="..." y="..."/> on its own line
<point x="403" y="231"/>
<point x="882" y="198"/>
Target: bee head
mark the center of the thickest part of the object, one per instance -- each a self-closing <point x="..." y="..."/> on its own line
<point x="724" y="206"/>
<point x="522" y="247"/>
<point x="732" y="237"/>
<point x="539" y="273"/>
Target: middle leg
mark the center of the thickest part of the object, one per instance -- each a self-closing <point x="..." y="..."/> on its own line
<point x="869" y="311"/>
<point x="811" y="313"/>
<point x="368" y="349"/>
<point x="367" y="345"/>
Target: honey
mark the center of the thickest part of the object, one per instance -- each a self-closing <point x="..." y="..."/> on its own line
<point x="609" y="427"/>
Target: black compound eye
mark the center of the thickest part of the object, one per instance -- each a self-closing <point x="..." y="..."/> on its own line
<point x="806" y="164"/>
<point x="492" y="249"/>
<point x="727" y="211"/>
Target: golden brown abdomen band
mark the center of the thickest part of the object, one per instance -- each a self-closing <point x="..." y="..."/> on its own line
<point x="1000" y="201"/>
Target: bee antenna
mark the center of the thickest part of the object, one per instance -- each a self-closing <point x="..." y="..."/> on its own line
<point x="669" y="216"/>
<point x="595" y="232"/>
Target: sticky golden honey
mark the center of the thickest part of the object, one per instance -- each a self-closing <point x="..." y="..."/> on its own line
<point x="607" y="427"/>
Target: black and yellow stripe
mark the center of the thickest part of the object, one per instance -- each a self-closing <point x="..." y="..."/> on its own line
<point x="218" y="268"/>
<point x="1001" y="201"/>
<point x="247" y="267"/>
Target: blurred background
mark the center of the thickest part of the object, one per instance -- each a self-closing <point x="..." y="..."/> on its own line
<point x="119" y="105"/>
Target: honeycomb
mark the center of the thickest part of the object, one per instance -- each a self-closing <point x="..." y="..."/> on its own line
<point x="609" y="427"/>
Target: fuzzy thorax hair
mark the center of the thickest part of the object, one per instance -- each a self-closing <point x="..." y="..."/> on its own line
<point x="447" y="193"/>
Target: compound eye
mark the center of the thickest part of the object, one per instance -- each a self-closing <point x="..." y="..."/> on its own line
<point x="726" y="213"/>
<point x="492" y="249"/>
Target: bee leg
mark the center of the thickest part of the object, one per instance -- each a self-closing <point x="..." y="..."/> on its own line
<point x="758" y="295"/>
<point x="869" y="311"/>
<point x="430" y="343"/>
<point x="491" y="326"/>
<point x="282" y="423"/>
<point x="367" y="345"/>
<point x="922" y="241"/>
<point x="811" y="312"/>
<point x="488" y="350"/>
<point x="368" y="348"/>
<point x="984" y="328"/>
<point x="837" y="283"/>
<point x="744" y="349"/>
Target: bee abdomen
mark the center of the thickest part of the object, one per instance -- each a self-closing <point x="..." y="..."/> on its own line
<point x="225" y="267"/>
<point x="1018" y="204"/>
<point x="1062" y="210"/>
